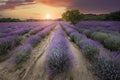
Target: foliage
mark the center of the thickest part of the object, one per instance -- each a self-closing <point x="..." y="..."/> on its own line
<point x="33" y="40"/>
<point x="77" y="37"/>
<point x="107" y="69"/>
<point x="9" y="20"/>
<point x="114" y="16"/>
<point x="22" y="53"/>
<point x="74" y="16"/>
<point x="99" y="36"/>
<point x="8" y="43"/>
<point x="89" y="48"/>
<point x="58" y="54"/>
<point x="113" y="43"/>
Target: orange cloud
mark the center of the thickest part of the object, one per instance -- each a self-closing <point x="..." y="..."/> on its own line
<point x="96" y="6"/>
<point x="11" y="4"/>
<point x="56" y="2"/>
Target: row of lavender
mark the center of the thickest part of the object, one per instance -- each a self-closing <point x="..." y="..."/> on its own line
<point x="106" y="63"/>
<point x="104" y="26"/>
<point x="11" y="36"/>
<point x="108" y="33"/>
<point x="10" y="29"/>
<point x="59" y="57"/>
<point x="9" y="42"/>
<point x="14" y="37"/>
<point x="22" y="52"/>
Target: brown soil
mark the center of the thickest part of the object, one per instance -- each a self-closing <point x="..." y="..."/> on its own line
<point x="81" y="64"/>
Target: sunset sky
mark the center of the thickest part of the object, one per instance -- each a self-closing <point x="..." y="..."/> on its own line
<point x="42" y="9"/>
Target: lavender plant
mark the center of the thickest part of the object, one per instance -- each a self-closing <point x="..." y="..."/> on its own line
<point x="68" y="29"/>
<point x="33" y="40"/>
<point x="77" y="37"/>
<point x="107" y="69"/>
<point x="87" y="32"/>
<point x="8" y="43"/>
<point x="99" y="36"/>
<point x="89" y="48"/>
<point x="45" y="31"/>
<point x="22" y="53"/>
<point x="58" y="55"/>
<point x="34" y="31"/>
<point x="113" y="43"/>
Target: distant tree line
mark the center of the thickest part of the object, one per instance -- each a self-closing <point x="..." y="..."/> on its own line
<point x="114" y="16"/>
<point x="74" y="16"/>
<point x="10" y="20"/>
<point x="17" y="20"/>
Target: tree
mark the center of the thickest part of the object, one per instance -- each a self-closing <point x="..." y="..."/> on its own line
<point x="74" y="16"/>
<point x="114" y="16"/>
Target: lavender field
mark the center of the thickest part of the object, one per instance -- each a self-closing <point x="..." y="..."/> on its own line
<point x="57" y="50"/>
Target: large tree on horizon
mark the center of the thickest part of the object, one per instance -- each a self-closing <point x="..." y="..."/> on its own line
<point x="74" y="16"/>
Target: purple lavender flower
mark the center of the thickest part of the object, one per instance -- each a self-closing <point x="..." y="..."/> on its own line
<point x="99" y="36"/>
<point x="58" y="55"/>
<point x="68" y="29"/>
<point x="107" y="69"/>
<point x="45" y="31"/>
<point x="33" y="40"/>
<point x="113" y="43"/>
<point x="77" y="37"/>
<point x="8" y="43"/>
<point x="22" y="53"/>
<point x="35" y="30"/>
<point x="90" y="48"/>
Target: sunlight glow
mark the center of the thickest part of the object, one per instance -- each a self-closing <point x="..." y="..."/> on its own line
<point x="34" y="11"/>
<point x="48" y="16"/>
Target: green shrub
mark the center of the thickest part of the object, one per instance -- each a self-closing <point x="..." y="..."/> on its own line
<point x="32" y="32"/>
<point x="87" y="32"/>
<point x="77" y="37"/>
<point x="22" y="53"/>
<point x="107" y="69"/>
<point x="112" y="43"/>
<point x="89" y="48"/>
<point x="99" y="36"/>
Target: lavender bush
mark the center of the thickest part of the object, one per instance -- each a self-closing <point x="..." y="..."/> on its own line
<point x="87" y="32"/>
<point x="34" y="31"/>
<point x="58" y="55"/>
<point x="8" y="43"/>
<point x="77" y="37"/>
<point x="45" y="31"/>
<point x="20" y="31"/>
<point x="68" y="29"/>
<point x="107" y="69"/>
<point x="99" y="36"/>
<point x="89" y="48"/>
<point x="33" y="40"/>
<point x="22" y="53"/>
<point x="113" y="43"/>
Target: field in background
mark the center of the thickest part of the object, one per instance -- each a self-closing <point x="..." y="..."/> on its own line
<point x="89" y="50"/>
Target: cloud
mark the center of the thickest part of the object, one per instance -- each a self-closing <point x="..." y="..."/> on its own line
<point x="96" y="6"/>
<point x="11" y="4"/>
<point x="1" y="16"/>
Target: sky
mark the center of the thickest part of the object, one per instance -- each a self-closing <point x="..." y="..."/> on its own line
<point x="42" y="9"/>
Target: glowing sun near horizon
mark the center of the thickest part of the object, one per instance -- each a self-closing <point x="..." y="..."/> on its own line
<point x="48" y="16"/>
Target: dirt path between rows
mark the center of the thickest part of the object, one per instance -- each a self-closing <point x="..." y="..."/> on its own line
<point x="81" y="64"/>
<point x="34" y="68"/>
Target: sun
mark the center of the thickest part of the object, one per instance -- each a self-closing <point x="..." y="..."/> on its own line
<point x="48" y="16"/>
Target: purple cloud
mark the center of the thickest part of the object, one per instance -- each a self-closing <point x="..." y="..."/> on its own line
<point x="86" y="6"/>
